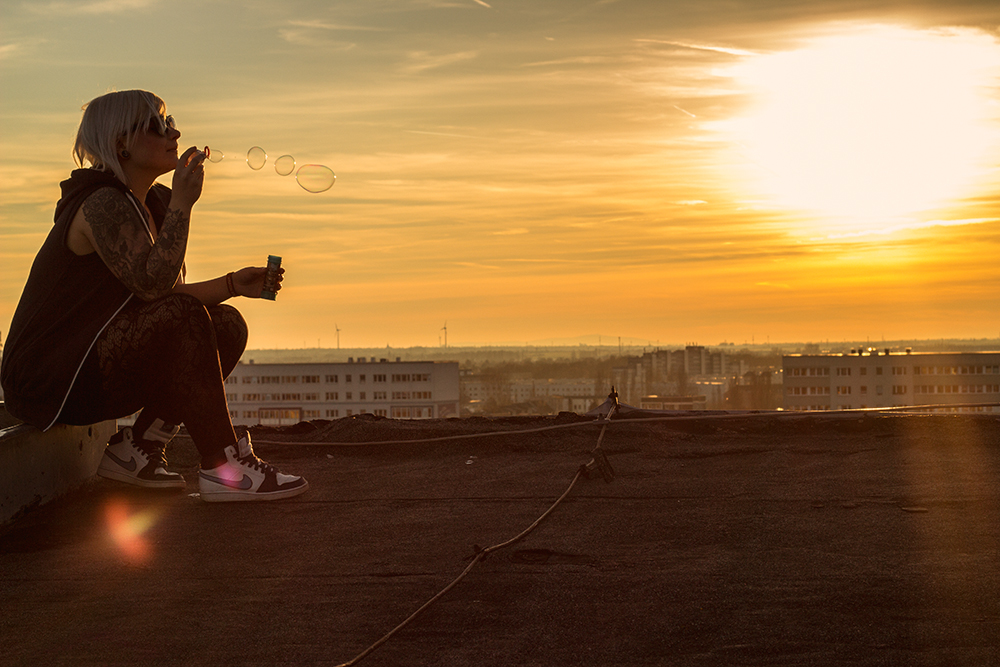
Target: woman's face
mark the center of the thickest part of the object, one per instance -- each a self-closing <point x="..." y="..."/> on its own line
<point x="155" y="149"/>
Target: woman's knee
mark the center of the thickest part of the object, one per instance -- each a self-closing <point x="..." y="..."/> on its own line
<point x="179" y="314"/>
<point x="229" y="323"/>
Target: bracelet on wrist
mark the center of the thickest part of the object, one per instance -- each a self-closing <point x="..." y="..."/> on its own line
<point x="230" y="285"/>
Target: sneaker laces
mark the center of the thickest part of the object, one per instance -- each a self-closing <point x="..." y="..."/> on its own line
<point x="154" y="451"/>
<point x="251" y="460"/>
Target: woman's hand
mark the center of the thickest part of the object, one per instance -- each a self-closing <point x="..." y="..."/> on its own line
<point x="189" y="176"/>
<point x="250" y="281"/>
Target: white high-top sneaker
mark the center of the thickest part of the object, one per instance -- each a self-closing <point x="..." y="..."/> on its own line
<point x="244" y="477"/>
<point x="137" y="462"/>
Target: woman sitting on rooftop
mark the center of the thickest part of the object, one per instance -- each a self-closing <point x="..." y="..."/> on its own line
<point x="106" y="324"/>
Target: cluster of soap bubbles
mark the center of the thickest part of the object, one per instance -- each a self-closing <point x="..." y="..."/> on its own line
<point x="310" y="177"/>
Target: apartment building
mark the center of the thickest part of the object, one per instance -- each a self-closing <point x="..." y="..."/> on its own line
<point x="877" y="379"/>
<point x="520" y="391"/>
<point x="695" y="369"/>
<point x="283" y="394"/>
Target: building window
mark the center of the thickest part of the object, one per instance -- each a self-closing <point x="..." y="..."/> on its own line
<point x="381" y="412"/>
<point x="332" y="379"/>
<point x="310" y="379"/>
<point x="864" y="390"/>
<point x="361" y="396"/>
<point x="378" y="378"/>
<point x="898" y="389"/>
<point x="332" y="396"/>
<point x="349" y="396"/>
<point x="361" y="379"/>
<point x="347" y="378"/>
<point x="878" y="371"/>
<point x="863" y="371"/>
<point x="843" y="391"/>
<point x="379" y="396"/>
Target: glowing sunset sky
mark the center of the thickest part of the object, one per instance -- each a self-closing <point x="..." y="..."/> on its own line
<point x="524" y="171"/>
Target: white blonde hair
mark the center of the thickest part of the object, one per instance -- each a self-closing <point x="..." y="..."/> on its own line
<point x="110" y="123"/>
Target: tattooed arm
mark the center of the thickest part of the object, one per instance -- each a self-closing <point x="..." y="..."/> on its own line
<point x="111" y="223"/>
<point x="246" y="282"/>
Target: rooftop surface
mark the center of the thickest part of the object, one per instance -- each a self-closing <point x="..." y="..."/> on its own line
<point x="740" y="540"/>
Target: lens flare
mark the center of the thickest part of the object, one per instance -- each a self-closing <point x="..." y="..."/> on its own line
<point x="126" y="529"/>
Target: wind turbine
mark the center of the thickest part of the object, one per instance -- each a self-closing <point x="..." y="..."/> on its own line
<point x="445" y="329"/>
<point x="338" y="335"/>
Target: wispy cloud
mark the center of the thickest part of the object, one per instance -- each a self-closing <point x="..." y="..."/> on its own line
<point x="700" y="47"/>
<point x="316" y="33"/>
<point x="574" y="60"/>
<point x="420" y="61"/>
<point x="9" y="50"/>
<point x="443" y="134"/>
<point x="480" y="2"/>
<point x="93" y="7"/>
<point x="475" y="265"/>
<point x="906" y="227"/>
<point x="323" y="25"/>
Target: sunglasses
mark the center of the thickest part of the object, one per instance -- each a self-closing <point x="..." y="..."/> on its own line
<point x="158" y="124"/>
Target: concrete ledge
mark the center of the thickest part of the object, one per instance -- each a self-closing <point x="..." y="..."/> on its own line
<point x="37" y="467"/>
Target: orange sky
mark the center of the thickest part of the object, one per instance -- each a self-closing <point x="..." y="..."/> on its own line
<point x="528" y="171"/>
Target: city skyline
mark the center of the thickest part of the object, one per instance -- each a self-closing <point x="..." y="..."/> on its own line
<point x="519" y="171"/>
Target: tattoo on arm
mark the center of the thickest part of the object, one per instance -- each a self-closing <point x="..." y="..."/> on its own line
<point x="148" y="269"/>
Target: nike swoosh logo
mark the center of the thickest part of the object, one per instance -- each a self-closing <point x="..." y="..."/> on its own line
<point x="130" y="466"/>
<point x="243" y="485"/>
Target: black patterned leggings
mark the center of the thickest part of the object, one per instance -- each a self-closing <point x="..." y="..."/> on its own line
<point x="169" y="358"/>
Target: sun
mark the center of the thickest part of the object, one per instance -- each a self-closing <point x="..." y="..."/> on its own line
<point x="871" y="125"/>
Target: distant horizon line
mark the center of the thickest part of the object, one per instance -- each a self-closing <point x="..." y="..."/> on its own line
<point x="633" y="343"/>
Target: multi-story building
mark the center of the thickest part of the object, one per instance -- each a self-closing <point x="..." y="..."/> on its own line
<point x="873" y="379"/>
<point x="520" y="391"/>
<point x="281" y="394"/>
<point x="695" y="370"/>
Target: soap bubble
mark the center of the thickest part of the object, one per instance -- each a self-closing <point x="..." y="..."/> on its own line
<point x="215" y="155"/>
<point x="315" y="177"/>
<point x="256" y="158"/>
<point x="284" y="165"/>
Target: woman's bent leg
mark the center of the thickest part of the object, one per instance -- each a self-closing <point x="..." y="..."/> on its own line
<point x="162" y="356"/>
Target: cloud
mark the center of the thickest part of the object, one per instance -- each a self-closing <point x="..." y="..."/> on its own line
<point x="701" y="47"/>
<point x="573" y="60"/>
<point x="422" y="60"/>
<point x="892" y="229"/>
<point x="480" y="2"/>
<point x="317" y="33"/>
<point x="93" y="7"/>
<point x="9" y="50"/>
<point x="323" y="25"/>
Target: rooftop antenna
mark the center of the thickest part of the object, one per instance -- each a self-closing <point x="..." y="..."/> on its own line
<point x="338" y="335"/>
<point x="445" y="329"/>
